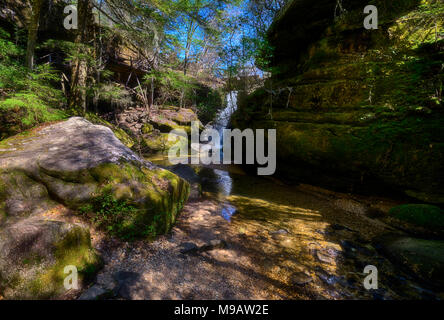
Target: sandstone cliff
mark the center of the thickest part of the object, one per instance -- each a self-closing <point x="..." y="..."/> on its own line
<point x="354" y="108"/>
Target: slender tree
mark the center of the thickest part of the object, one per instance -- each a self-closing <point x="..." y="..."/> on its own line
<point x="36" y="8"/>
<point x="79" y="68"/>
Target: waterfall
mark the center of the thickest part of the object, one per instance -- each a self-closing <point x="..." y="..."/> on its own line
<point x="224" y="179"/>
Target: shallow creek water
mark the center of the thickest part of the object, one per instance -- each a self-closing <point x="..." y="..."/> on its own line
<point x="251" y="237"/>
<point x="287" y="241"/>
<point x="304" y="241"/>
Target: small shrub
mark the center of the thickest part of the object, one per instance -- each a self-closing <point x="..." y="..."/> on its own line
<point x="110" y="214"/>
<point x="420" y="214"/>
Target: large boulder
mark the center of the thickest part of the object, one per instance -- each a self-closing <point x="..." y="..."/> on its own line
<point x="77" y="163"/>
<point x="86" y="169"/>
<point x="34" y="253"/>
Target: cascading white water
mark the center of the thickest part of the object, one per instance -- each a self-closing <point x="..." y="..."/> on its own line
<point x="224" y="179"/>
<point x="223" y="117"/>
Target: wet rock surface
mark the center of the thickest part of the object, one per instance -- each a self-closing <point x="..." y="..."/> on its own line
<point x="422" y="258"/>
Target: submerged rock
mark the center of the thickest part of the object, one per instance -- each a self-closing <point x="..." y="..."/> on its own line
<point x="328" y="255"/>
<point x="423" y="259"/>
<point x="300" y="279"/>
<point x="84" y="167"/>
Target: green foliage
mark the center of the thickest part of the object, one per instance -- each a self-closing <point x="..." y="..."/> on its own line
<point x="15" y="78"/>
<point x="8" y="49"/>
<point x="172" y="86"/>
<point x="420" y="214"/>
<point x="36" y="111"/>
<point x="111" y="95"/>
<point x="421" y="26"/>
<point x="27" y="98"/>
<point x="118" y="217"/>
<point x="73" y="51"/>
<point x="151" y="231"/>
<point x="208" y="102"/>
<point x="110" y="214"/>
<point x="404" y="79"/>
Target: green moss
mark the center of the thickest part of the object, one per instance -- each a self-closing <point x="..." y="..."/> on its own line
<point x="420" y="214"/>
<point x="134" y="201"/>
<point x="121" y="134"/>
<point x="23" y="111"/>
<point x="147" y="128"/>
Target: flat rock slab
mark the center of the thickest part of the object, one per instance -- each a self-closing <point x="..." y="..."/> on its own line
<point x="69" y="146"/>
<point x="93" y="293"/>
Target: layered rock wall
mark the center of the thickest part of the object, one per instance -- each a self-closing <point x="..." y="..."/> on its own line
<point x="356" y="109"/>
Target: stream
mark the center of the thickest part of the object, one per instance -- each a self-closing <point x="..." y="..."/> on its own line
<point x="251" y="237"/>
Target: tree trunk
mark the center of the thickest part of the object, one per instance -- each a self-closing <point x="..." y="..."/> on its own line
<point x="79" y="69"/>
<point x="152" y="93"/>
<point x="32" y="32"/>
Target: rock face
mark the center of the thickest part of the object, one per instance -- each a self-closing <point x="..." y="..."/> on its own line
<point x="355" y="108"/>
<point x="187" y="173"/>
<point x="34" y="253"/>
<point x="154" y="127"/>
<point x="85" y="168"/>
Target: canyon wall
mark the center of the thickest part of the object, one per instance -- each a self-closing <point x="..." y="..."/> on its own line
<point x="356" y="109"/>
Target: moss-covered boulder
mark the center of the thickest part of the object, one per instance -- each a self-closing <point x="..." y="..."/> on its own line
<point x="422" y="215"/>
<point x="182" y="116"/>
<point x="169" y="120"/>
<point x="423" y="259"/>
<point x="76" y="162"/>
<point x="83" y="167"/>
<point x="147" y="128"/>
<point x="34" y="253"/>
<point x="162" y="142"/>
<point x="162" y="124"/>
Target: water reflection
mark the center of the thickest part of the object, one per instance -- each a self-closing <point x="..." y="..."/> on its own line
<point x="228" y="211"/>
